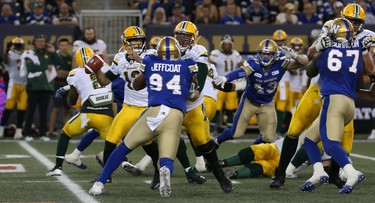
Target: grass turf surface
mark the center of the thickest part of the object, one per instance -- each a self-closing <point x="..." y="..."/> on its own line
<point x="34" y="186"/>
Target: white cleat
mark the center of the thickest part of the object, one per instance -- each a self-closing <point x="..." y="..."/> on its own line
<point x="372" y="135"/>
<point x="54" y="172"/>
<point x="75" y="160"/>
<point x="200" y="164"/>
<point x="18" y="135"/>
<point x="165" y="182"/>
<point x="97" y="189"/>
<point x="143" y="163"/>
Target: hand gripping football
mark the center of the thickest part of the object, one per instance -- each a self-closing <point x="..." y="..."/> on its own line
<point x="94" y="64"/>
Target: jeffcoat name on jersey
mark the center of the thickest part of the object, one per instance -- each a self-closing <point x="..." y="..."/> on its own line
<point x="166" y="67"/>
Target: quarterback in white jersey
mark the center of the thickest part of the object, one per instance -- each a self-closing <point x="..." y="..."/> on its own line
<point x="16" y="97"/>
<point x="195" y="122"/>
<point x="89" y="40"/>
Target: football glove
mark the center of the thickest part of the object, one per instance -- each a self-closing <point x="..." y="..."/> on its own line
<point x="59" y="92"/>
<point x="289" y="53"/>
<point x="366" y="42"/>
<point x="323" y="42"/>
<point x="220" y="81"/>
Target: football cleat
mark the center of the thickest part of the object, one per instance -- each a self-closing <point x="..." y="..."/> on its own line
<point x="278" y="180"/>
<point x="193" y="176"/>
<point x="348" y="187"/>
<point x="97" y="189"/>
<point x="99" y="158"/>
<point x="200" y="164"/>
<point x="55" y="171"/>
<point x="155" y="183"/>
<point x="230" y="173"/>
<point x="132" y="169"/>
<point x="225" y="183"/>
<point x="337" y="181"/>
<point x="75" y="160"/>
<point x="165" y="182"/>
<point x="312" y="184"/>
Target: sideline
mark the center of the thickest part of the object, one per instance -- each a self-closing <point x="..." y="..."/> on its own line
<point x="81" y="194"/>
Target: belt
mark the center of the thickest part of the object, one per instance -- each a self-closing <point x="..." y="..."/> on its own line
<point x="256" y="104"/>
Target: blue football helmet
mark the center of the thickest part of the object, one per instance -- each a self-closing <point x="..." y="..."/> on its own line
<point x="267" y="52"/>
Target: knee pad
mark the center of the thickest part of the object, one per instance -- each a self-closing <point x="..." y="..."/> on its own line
<point x="246" y="155"/>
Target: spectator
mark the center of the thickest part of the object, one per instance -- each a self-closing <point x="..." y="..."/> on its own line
<point x="308" y="16"/>
<point x="38" y="17"/>
<point x="38" y="62"/>
<point x="53" y="6"/>
<point x="206" y="17"/>
<point x="256" y="13"/>
<point x="213" y="12"/>
<point x="223" y="7"/>
<point x="327" y="11"/>
<point x="89" y="39"/>
<point x="150" y="11"/>
<point x="337" y="8"/>
<point x="274" y="8"/>
<point x="178" y="15"/>
<point x="160" y="18"/>
<point x="187" y="7"/>
<point x="231" y="18"/>
<point x="65" y="17"/>
<point x="287" y="16"/>
<point x="60" y="81"/>
<point x="7" y="16"/>
<point x="370" y="17"/>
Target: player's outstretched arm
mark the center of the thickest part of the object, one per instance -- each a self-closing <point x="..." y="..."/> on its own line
<point x="311" y="69"/>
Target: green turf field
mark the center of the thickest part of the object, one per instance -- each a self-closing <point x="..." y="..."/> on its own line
<point x="37" y="157"/>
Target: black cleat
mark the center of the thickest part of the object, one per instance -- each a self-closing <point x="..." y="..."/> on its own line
<point x="225" y="183"/>
<point x="193" y="176"/>
<point x="132" y="169"/>
<point x="278" y="180"/>
<point x="336" y="181"/>
<point x="155" y="183"/>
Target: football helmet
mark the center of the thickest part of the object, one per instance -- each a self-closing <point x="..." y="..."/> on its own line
<point x="226" y="39"/>
<point x="355" y="13"/>
<point x="82" y="55"/>
<point x="187" y="35"/>
<point x="279" y="35"/>
<point x="154" y="42"/>
<point x="341" y="30"/>
<point x="169" y="48"/>
<point x="297" y="43"/>
<point x="267" y="52"/>
<point x="18" y="44"/>
<point x="133" y="33"/>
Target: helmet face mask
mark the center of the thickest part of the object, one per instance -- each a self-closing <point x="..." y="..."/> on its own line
<point x="267" y="52"/>
<point x="134" y="38"/>
<point x="82" y="55"/>
<point x="169" y="48"/>
<point x="187" y="35"/>
<point x="297" y="44"/>
<point x="226" y="44"/>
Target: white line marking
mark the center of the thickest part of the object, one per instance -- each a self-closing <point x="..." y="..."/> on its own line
<point x="362" y="156"/>
<point x="69" y="184"/>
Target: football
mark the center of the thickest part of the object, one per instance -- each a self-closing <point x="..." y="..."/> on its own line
<point x="94" y="64"/>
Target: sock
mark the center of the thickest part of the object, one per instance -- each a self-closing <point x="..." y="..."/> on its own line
<point x="114" y="162"/>
<point x="312" y="151"/>
<point x="108" y="149"/>
<point x="76" y="152"/>
<point x="230" y="114"/>
<point x="300" y="157"/>
<point x="209" y="153"/>
<point x="233" y="160"/>
<point x="225" y="135"/>
<point x="280" y="118"/>
<point x="20" y="118"/>
<point x="153" y="151"/>
<point x="250" y="171"/>
<point x="338" y="154"/>
<point x="87" y="139"/>
<point x="182" y="154"/>
<point x="167" y="162"/>
<point x="259" y="140"/>
<point x="62" y="146"/>
<point x="287" y="152"/>
<point x="318" y="168"/>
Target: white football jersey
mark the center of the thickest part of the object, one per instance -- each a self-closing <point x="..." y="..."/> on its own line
<point x="208" y="89"/>
<point x="86" y="84"/>
<point x="98" y="47"/>
<point x="129" y="71"/>
<point x="13" y="68"/>
<point x="199" y="54"/>
<point x="297" y="81"/>
<point x="225" y="63"/>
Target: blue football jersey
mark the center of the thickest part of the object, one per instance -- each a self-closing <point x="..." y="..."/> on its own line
<point x="340" y="67"/>
<point x="262" y="85"/>
<point x="168" y="82"/>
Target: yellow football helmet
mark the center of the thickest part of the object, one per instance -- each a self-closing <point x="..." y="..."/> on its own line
<point x="341" y="30"/>
<point x="279" y="35"/>
<point x="154" y="42"/>
<point x="297" y="43"/>
<point x="169" y="48"/>
<point x="18" y="44"/>
<point x="267" y="52"/>
<point x="187" y="34"/>
<point x="132" y="33"/>
<point x="82" y="55"/>
<point x="355" y="13"/>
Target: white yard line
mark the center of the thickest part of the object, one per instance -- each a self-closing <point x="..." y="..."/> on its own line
<point x="80" y="193"/>
<point x="362" y="156"/>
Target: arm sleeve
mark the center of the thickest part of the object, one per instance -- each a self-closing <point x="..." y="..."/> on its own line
<point x="202" y="75"/>
<point x="236" y="74"/>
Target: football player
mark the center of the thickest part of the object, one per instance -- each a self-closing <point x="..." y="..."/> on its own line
<point x="195" y="121"/>
<point x="16" y="95"/>
<point x="89" y="40"/>
<point x="168" y="80"/>
<point x="226" y="60"/>
<point x="311" y="103"/>
<point x="96" y="111"/>
<point x="263" y="75"/>
<point x="338" y="89"/>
